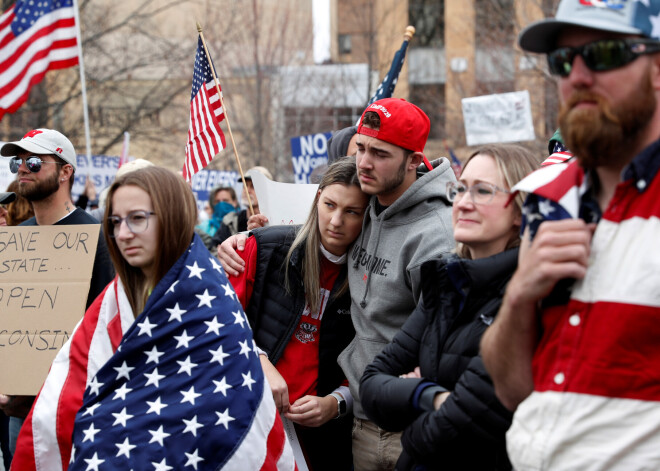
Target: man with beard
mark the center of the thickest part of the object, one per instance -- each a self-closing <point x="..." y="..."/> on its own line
<point x="45" y="162"/>
<point x="574" y="349"/>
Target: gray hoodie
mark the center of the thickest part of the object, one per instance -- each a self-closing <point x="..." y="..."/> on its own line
<point x="384" y="266"/>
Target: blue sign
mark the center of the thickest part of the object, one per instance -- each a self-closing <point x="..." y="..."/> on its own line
<point x="204" y="181"/>
<point x="309" y="152"/>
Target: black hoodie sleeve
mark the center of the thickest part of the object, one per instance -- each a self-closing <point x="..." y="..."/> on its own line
<point x="470" y="410"/>
<point x="386" y="398"/>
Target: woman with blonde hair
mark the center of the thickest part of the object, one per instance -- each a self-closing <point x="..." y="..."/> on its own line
<point x="295" y="293"/>
<point x="430" y="381"/>
<point x="161" y="372"/>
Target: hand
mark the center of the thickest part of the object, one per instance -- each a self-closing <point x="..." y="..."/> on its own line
<point x="277" y="384"/>
<point x="16" y="406"/>
<point x="559" y="250"/>
<point x="228" y="254"/>
<point x="257" y="220"/>
<point x="90" y="189"/>
<point x="313" y="411"/>
<point x="413" y="374"/>
<point x="439" y="399"/>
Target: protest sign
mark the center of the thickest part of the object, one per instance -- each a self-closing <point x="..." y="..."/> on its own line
<point x="309" y="152"/>
<point x="45" y="272"/>
<point x="101" y="169"/>
<point x="504" y="117"/>
<point x="283" y="203"/>
<point x="206" y="180"/>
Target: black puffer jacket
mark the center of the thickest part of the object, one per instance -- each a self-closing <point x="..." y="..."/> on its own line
<point x="274" y="314"/>
<point x="459" y="300"/>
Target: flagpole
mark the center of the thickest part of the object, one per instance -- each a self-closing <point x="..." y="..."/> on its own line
<point x="81" y="63"/>
<point x="224" y="110"/>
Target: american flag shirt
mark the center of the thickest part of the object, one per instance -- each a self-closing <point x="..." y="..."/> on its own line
<point x="184" y="388"/>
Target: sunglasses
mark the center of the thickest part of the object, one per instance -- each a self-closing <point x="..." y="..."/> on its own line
<point x="33" y="164"/>
<point x="601" y="55"/>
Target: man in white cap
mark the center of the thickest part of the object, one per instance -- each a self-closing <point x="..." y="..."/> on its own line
<point x="45" y="162"/>
<point x="574" y="349"/>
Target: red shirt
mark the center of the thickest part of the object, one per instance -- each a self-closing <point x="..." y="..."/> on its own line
<point x="299" y="363"/>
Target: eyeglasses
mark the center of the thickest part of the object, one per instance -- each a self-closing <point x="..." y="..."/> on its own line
<point x="32" y="163"/>
<point x="481" y="193"/>
<point x="601" y="55"/>
<point x="137" y="222"/>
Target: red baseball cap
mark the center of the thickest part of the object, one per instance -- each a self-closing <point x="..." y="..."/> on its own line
<point x="401" y="123"/>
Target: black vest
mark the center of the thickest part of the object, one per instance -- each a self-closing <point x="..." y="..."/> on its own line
<point x="275" y="313"/>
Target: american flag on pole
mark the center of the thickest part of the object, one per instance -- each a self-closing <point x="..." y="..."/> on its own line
<point x="35" y="36"/>
<point x="179" y="387"/>
<point x="205" y="138"/>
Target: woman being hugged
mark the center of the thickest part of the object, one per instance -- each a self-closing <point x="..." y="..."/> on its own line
<point x="430" y="381"/>
<point x="295" y="294"/>
<point x="161" y="372"/>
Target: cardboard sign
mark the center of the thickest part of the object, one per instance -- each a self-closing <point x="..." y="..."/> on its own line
<point x="45" y="272"/>
<point x="283" y="203"/>
<point x="308" y="152"/>
<point x="504" y="117"/>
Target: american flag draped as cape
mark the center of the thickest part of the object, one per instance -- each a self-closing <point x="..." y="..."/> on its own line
<point x="180" y="387"/>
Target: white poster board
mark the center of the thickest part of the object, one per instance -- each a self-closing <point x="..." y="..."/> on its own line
<point x="504" y="117"/>
<point x="283" y="203"/>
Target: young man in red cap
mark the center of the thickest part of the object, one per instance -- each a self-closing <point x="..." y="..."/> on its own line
<point x="408" y="221"/>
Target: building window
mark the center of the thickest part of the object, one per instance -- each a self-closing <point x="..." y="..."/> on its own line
<point x="344" y="44"/>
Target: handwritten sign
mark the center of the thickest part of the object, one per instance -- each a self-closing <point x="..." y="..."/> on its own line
<point x="45" y="273"/>
<point x="283" y="203"/>
<point x="504" y="117"/>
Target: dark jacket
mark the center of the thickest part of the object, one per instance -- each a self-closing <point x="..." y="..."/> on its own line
<point x="459" y="301"/>
<point x="231" y="224"/>
<point x="274" y="314"/>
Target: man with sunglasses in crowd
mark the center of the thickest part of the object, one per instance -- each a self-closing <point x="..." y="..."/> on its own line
<point x="45" y="163"/>
<point x="574" y="349"/>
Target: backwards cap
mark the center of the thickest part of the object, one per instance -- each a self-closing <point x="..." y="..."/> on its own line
<point x="401" y="123"/>
<point x="43" y="141"/>
<point x="615" y="16"/>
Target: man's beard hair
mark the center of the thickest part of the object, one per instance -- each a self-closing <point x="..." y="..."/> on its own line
<point x="38" y="191"/>
<point x="601" y="136"/>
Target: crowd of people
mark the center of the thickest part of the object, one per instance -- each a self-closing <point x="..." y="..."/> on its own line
<point x="502" y="318"/>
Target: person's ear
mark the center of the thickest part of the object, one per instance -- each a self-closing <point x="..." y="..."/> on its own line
<point x="66" y="172"/>
<point x="416" y="159"/>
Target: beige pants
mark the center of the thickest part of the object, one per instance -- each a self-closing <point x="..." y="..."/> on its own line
<point x="374" y="449"/>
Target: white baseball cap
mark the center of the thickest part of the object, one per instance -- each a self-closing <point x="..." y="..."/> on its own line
<point x="43" y="141"/>
<point x="615" y="16"/>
